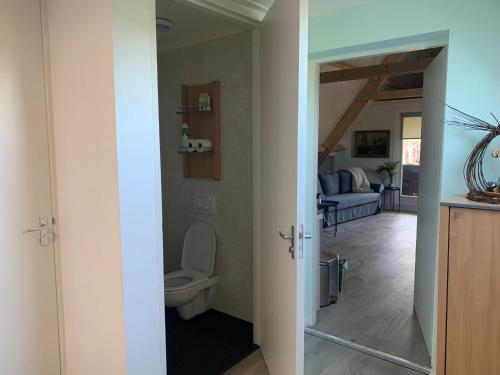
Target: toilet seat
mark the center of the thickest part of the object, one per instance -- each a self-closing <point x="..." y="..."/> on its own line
<point x="191" y="289"/>
<point x="173" y="280"/>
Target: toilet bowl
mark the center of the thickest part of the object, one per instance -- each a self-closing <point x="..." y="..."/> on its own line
<point x="191" y="289"/>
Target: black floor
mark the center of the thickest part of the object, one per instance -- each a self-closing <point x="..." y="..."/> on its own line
<point x="208" y="344"/>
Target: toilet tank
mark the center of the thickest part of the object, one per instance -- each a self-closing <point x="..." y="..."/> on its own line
<point x="198" y="250"/>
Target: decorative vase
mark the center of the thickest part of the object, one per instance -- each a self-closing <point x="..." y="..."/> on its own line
<point x="391" y="181"/>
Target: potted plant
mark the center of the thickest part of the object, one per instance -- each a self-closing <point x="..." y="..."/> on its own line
<point x="392" y="169"/>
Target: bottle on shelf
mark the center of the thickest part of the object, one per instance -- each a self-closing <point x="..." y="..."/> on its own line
<point x="185" y="135"/>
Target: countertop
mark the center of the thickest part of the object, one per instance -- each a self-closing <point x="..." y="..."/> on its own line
<point x="462" y="202"/>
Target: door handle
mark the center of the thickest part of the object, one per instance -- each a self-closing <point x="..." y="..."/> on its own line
<point x="303" y="236"/>
<point x="291" y="238"/>
<point x="34" y="229"/>
<point x="43" y="229"/>
<point x="286" y="236"/>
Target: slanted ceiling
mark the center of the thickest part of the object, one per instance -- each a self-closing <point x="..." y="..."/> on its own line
<point x="348" y="86"/>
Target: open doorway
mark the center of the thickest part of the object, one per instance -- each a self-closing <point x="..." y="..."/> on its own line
<point x="205" y="105"/>
<point x="376" y="190"/>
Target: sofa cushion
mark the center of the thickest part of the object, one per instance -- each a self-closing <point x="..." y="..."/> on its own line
<point x="353" y="199"/>
<point x="329" y="183"/>
<point x="345" y="182"/>
<point x="377" y="188"/>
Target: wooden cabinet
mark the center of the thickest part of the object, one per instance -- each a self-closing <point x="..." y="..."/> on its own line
<point x="469" y="291"/>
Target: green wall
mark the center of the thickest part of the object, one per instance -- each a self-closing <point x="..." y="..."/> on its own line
<point x="473" y="82"/>
<point x="471" y="31"/>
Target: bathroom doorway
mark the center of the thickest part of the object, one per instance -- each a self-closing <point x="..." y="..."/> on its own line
<point x="206" y="126"/>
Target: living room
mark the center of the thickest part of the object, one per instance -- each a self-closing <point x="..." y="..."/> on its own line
<point x="372" y="174"/>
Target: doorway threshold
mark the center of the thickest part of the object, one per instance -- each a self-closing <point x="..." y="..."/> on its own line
<point x="369" y="351"/>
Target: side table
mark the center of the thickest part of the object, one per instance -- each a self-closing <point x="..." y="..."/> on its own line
<point x="392" y="200"/>
<point x="325" y="206"/>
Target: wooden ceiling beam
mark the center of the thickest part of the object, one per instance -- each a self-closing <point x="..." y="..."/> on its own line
<point x="392" y="94"/>
<point x="354" y="110"/>
<point x="341" y="65"/>
<point x="377" y="72"/>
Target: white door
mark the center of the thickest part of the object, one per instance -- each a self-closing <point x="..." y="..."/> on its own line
<point x="28" y="312"/>
<point x="283" y="151"/>
<point x="429" y="196"/>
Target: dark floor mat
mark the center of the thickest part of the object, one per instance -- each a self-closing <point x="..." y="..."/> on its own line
<point x="208" y="344"/>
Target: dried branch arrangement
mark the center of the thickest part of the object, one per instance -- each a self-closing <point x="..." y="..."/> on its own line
<point x="473" y="170"/>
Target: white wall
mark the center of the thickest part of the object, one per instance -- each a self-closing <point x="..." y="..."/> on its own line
<point x="385" y="115"/>
<point x="87" y="185"/>
<point x="469" y="29"/>
<point x="334" y="100"/>
<point x="228" y="60"/>
<point x="139" y="178"/>
<point x="102" y="60"/>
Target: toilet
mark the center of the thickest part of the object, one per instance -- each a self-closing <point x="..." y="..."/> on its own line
<point x="191" y="289"/>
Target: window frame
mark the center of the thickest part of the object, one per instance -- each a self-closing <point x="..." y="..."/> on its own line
<point x="402" y="116"/>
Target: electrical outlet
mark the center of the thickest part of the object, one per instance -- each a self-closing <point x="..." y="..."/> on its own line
<point x="204" y="203"/>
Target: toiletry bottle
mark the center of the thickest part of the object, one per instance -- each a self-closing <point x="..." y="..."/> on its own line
<point x="185" y="134"/>
<point x="204" y="103"/>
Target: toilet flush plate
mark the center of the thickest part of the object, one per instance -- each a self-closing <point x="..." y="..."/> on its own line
<point x="204" y="203"/>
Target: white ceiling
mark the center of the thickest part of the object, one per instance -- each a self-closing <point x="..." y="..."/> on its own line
<point x="321" y="7"/>
<point x="316" y="7"/>
<point x="264" y="4"/>
<point x="198" y="20"/>
<point x="193" y="25"/>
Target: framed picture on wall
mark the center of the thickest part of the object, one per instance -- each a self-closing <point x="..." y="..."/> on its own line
<point x="371" y="144"/>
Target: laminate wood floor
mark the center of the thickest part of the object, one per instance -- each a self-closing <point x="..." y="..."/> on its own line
<point x="254" y="364"/>
<point x="376" y="307"/>
<point x="326" y="358"/>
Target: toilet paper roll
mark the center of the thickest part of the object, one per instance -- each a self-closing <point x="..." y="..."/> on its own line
<point x="192" y="144"/>
<point x="203" y="145"/>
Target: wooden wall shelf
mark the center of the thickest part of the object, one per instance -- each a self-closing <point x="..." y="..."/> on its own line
<point x="202" y="124"/>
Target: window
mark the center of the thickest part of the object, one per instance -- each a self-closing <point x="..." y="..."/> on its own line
<point x="411" y="131"/>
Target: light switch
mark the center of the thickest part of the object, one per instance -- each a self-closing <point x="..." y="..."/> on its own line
<point x="204" y="203"/>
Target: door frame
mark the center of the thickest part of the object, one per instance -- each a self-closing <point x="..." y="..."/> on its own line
<point x="44" y="7"/>
<point x="253" y="20"/>
<point x="53" y="183"/>
<point x="406" y="200"/>
<point x="255" y="184"/>
<point x="48" y="122"/>
<point x="248" y="19"/>
<point x="382" y="47"/>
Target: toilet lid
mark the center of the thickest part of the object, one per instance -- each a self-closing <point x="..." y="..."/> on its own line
<point x="198" y="250"/>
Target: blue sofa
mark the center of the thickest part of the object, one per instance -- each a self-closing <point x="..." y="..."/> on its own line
<point x="351" y="206"/>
